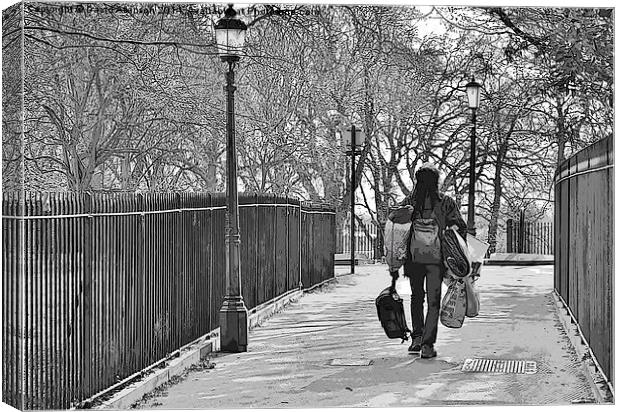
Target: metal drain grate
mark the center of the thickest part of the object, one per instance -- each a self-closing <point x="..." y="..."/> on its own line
<point x="499" y="366"/>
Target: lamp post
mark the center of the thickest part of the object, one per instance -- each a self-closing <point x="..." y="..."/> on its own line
<point x="230" y="38"/>
<point x="473" y="97"/>
<point x="355" y="140"/>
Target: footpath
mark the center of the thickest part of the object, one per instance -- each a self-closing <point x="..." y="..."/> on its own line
<point x="328" y="349"/>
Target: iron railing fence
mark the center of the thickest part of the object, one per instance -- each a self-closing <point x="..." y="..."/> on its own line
<point x="366" y="240"/>
<point x="529" y="237"/>
<point x="99" y="287"/>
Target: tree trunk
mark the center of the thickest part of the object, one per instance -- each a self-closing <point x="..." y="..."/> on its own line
<point x="381" y="207"/>
<point x="561" y="127"/>
<point x="497" y="186"/>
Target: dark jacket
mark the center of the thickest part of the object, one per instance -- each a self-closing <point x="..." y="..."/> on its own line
<point x="447" y="213"/>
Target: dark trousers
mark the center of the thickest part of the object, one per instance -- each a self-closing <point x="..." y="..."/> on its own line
<point x="433" y="274"/>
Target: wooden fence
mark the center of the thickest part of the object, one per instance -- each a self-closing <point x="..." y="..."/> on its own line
<point x="97" y="288"/>
<point x="529" y="237"/>
<point x="584" y="205"/>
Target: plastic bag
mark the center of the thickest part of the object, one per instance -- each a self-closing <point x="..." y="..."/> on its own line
<point x="454" y="305"/>
<point x="396" y="237"/>
<point x="473" y="297"/>
<point x="477" y="250"/>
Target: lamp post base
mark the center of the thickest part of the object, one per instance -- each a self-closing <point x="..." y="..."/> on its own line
<point x="233" y="325"/>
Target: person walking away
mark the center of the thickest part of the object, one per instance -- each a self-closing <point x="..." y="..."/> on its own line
<point x="433" y="211"/>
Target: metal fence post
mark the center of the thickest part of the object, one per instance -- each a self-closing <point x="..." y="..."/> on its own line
<point x="86" y="330"/>
<point x="509" y="237"/>
<point x="521" y="247"/>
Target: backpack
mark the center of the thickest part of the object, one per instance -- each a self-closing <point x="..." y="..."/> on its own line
<point x="392" y="315"/>
<point x="425" y="245"/>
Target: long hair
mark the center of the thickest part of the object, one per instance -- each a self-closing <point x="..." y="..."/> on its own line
<point x="427" y="186"/>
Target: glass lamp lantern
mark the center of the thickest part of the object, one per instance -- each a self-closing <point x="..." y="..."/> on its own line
<point x="359" y="138"/>
<point x="230" y="35"/>
<point x="473" y="93"/>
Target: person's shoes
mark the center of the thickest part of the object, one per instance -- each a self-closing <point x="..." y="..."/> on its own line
<point x="416" y="345"/>
<point x="428" y="352"/>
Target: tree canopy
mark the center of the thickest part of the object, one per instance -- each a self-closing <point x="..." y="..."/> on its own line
<point x="121" y="99"/>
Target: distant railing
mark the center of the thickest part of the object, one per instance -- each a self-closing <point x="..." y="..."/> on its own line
<point x="529" y="237"/>
<point x="366" y="240"/>
<point x="97" y="288"/>
<point x="584" y="245"/>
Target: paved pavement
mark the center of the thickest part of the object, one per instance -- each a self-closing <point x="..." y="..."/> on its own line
<point x="288" y="363"/>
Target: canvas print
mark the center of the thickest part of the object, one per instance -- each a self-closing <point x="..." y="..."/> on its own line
<point x="240" y="206"/>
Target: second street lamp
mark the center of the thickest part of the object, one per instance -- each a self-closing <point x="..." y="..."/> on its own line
<point x="473" y="97"/>
<point x="355" y="139"/>
<point x="230" y="38"/>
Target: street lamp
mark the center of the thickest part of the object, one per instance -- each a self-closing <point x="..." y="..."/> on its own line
<point x="230" y="38"/>
<point x="355" y="139"/>
<point x="473" y="97"/>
